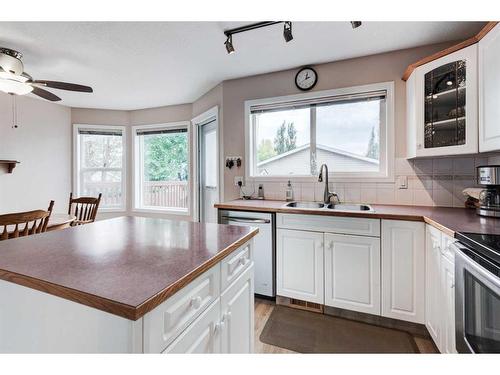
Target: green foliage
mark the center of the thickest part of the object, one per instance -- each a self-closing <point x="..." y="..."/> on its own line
<point x="286" y="138"/>
<point x="166" y="157"/>
<point x="373" y="146"/>
<point x="265" y="150"/>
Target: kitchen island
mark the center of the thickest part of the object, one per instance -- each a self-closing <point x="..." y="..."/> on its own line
<point x="128" y="285"/>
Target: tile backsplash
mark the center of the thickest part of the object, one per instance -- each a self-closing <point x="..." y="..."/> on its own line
<point x="431" y="182"/>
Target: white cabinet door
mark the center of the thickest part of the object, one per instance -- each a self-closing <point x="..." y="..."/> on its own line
<point x="237" y="321"/>
<point x="451" y="126"/>
<point x="489" y="91"/>
<point x="448" y="305"/>
<point x="352" y="273"/>
<point x="299" y="265"/>
<point x="403" y="270"/>
<point x="432" y="283"/>
<point x="202" y="336"/>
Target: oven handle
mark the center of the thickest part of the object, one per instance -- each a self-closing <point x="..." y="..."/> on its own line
<point x="246" y="220"/>
<point x="488" y="277"/>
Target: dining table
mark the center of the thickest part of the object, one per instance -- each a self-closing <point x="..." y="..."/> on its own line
<point x="60" y="221"/>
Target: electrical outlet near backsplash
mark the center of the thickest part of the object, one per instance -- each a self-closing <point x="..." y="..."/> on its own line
<point x="430" y="182"/>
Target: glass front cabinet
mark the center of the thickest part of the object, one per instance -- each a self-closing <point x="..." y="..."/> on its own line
<point x="442" y="98"/>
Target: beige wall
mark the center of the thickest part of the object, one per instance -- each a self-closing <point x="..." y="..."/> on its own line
<point x="42" y="143"/>
<point x="160" y="115"/>
<point x="359" y="71"/>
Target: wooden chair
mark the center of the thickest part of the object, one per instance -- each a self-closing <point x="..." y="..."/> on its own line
<point x="85" y="209"/>
<point x="34" y="222"/>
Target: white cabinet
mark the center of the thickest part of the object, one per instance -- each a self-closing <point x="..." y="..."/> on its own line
<point x="202" y="336"/>
<point x="489" y="91"/>
<point x="442" y="112"/>
<point x="448" y="305"/>
<point x="440" y="289"/>
<point x="299" y="265"/>
<point x="433" y="282"/>
<point x="403" y="270"/>
<point x="352" y="272"/>
<point x="237" y="315"/>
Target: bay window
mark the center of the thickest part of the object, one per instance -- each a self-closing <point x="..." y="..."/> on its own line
<point x="161" y="174"/>
<point x="99" y="160"/>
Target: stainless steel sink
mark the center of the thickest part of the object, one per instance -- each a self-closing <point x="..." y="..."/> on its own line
<point x="349" y="207"/>
<point x="309" y="205"/>
<point x="333" y="207"/>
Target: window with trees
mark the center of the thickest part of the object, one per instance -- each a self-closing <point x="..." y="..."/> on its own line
<point x="100" y="164"/>
<point x="346" y="129"/>
<point x="161" y="156"/>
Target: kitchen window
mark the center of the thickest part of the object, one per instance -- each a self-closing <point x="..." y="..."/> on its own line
<point x="349" y="129"/>
<point x="99" y="158"/>
<point x="161" y="178"/>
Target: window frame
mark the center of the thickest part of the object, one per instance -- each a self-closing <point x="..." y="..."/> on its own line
<point x="138" y="169"/>
<point x="387" y="147"/>
<point x="77" y="161"/>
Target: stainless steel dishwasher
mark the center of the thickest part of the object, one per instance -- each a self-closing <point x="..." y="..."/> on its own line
<point x="264" y="246"/>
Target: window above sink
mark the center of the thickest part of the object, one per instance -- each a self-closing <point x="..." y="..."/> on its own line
<point x="349" y="129"/>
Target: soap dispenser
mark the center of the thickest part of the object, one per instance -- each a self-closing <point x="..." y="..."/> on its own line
<point x="289" y="192"/>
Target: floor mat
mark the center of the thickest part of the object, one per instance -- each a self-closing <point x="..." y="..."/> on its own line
<point x="307" y="332"/>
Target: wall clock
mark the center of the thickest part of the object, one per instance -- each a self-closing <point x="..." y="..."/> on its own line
<point x="306" y="78"/>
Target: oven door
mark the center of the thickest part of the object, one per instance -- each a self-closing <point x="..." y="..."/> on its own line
<point x="477" y="303"/>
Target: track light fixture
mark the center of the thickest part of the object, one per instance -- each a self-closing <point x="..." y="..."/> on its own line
<point x="229" y="44"/>
<point x="287" y="31"/>
<point x="355" y="24"/>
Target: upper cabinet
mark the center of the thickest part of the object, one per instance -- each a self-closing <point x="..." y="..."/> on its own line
<point x="442" y="106"/>
<point x="489" y="91"/>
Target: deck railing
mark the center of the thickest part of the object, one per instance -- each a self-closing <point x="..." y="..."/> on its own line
<point x="155" y="193"/>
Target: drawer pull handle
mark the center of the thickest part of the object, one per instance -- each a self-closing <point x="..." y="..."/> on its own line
<point x="196" y="302"/>
<point x="244" y="261"/>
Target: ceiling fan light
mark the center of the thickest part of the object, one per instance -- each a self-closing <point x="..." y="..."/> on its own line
<point x="14" y="87"/>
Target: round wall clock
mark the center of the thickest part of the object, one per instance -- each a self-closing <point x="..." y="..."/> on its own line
<point x="306" y="78"/>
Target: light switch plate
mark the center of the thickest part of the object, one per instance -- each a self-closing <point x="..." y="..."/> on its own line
<point x="402" y="182"/>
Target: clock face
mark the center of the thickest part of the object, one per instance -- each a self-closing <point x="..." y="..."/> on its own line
<point x="306" y="78"/>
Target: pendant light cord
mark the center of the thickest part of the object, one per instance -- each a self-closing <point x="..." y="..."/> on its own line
<point x="14" y="112"/>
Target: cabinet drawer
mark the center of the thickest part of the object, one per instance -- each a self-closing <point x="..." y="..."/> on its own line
<point x="446" y="248"/>
<point x="234" y="264"/>
<point x="333" y="224"/>
<point x="163" y="324"/>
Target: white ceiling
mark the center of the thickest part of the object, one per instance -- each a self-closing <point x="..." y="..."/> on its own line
<point x="140" y="65"/>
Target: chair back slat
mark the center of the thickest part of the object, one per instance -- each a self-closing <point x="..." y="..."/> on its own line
<point x="38" y="219"/>
<point x="84" y="209"/>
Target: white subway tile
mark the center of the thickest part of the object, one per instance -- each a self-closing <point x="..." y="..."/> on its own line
<point x="463" y="165"/>
<point x="403" y="196"/>
<point x="422" y="166"/>
<point x="443" y="198"/>
<point x="442" y="166"/>
<point x="368" y="195"/>
<point x="422" y="198"/>
<point x="385" y="196"/>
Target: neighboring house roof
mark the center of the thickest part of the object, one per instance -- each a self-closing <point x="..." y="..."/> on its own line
<point x="333" y="150"/>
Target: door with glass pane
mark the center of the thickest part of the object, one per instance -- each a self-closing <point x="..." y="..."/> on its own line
<point x="447" y="116"/>
<point x="208" y="172"/>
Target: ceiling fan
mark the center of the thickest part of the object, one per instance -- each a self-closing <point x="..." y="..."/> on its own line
<point x="15" y="81"/>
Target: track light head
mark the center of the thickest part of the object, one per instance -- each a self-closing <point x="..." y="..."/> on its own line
<point x="287" y="31"/>
<point x="229" y="44"/>
<point x="355" y="24"/>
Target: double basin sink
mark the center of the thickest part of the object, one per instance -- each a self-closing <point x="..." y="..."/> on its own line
<point x="331" y="206"/>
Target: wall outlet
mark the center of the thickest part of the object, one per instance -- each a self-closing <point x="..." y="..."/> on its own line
<point x="402" y="182"/>
<point x="237" y="180"/>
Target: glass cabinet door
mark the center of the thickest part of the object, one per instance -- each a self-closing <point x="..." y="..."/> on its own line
<point x="444" y="105"/>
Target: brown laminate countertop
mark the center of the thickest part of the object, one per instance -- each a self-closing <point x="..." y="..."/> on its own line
<point x="447" y="219"/>
<point x="125" y="266"/>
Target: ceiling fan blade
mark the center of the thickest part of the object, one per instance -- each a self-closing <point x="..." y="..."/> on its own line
<point x="64" y="86"/>
<point x="45" y="94"/>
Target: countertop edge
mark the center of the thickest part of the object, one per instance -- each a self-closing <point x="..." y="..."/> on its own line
<point x="117" y="308"/>
<point x="372" y="215"/>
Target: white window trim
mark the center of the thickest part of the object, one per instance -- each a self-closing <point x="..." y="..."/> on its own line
<point x="203" y="118"/>
<point x="76" y="161"/>
<point x="386" y="136"/>
<point x="138" y="165"/>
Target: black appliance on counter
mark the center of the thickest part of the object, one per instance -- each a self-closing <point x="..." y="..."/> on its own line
<point x="477" y="293"/>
